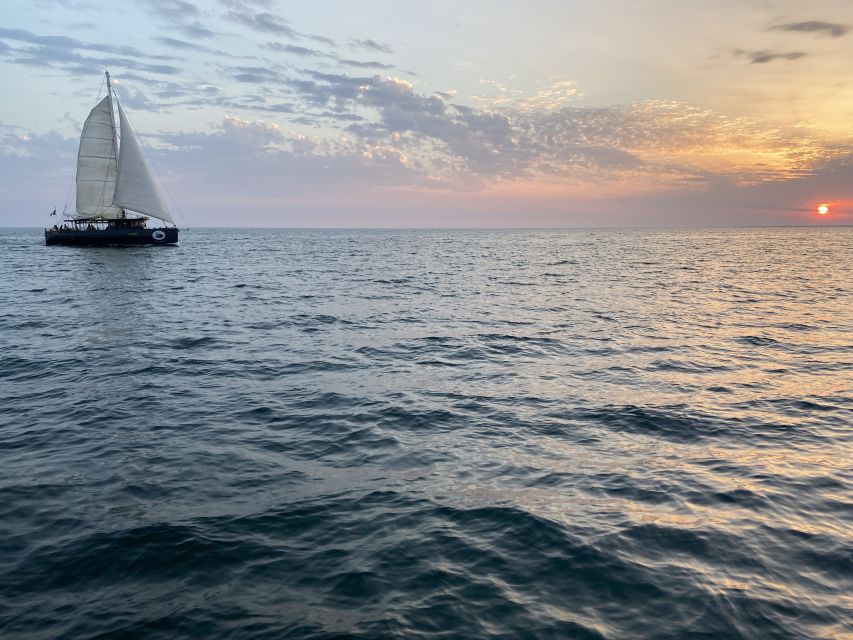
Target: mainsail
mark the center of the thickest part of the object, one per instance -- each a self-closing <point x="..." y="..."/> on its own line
<point x="135" y="188"/>
<point x="96" y="165"/>
<point x="111" y="179"/>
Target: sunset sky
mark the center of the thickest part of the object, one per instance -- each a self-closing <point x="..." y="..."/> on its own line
<point x="475" y="113"/>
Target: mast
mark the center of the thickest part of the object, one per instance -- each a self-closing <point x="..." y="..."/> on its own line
<point x="97" y="163"/>
<point x="113" y="120"/>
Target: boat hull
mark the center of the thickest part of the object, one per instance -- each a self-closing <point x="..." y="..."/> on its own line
<point x="110" y="237"/>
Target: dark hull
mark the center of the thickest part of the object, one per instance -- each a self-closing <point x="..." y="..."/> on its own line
<point x="110" y="237"/>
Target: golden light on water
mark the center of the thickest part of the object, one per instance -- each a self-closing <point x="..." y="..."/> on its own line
<point x="823" y="209"/>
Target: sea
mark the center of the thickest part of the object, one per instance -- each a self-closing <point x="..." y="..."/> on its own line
<point x="452" y="434"/>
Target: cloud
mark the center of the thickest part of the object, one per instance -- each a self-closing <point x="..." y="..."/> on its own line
<point x="256" y="75"/>
<point x="659" y="143"/>
<point x="137" y="100"/>
<point x="296" y="50"/>
<point x="559" y="94"/>
<point x="475" y="143"/>
<point x="245" y="5"/>
<point x="267" y="22"/>
<point x="64" y="53"/>
<point x="371" y="45"/>
<point x="306" y="52"/>
<point x="76" y="64"/>
<point x="256" y="158"/>
<point x="173" y="9"/>
<point x="182" y="44"/>
<point x="831" y="29"/>
<point x="66" y="43"/>
<point x="35" y="170"/>
<point x="543" y="137"/>
<point x="163" y="90"/>
<point x="179" y="15"/>
<point x="321" y="39"/>
<point x="411" y="141"/>
<point x="763" y="57"/>
<point x="359" y="64"/>
<point x="382" y="130"/>
<point x="195" y="29"/>
<point x="264" y="22"/>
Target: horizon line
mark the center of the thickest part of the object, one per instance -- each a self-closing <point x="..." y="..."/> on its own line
<point x="505" y="228"/>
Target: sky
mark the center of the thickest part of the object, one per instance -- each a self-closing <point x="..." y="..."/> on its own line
<point x="472" y="113"/>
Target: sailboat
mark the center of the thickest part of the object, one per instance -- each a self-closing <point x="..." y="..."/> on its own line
<point x="116" y="192"/>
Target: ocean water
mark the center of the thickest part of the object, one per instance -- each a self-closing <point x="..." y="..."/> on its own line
<point x="428" y="434"/>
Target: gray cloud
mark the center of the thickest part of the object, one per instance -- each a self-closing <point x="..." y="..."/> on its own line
<point x="432" y="140"/>
<point x="66" y="43"/>
<point x="245" y="5"/>
<point x="402" y="138"/>
<point x="280" y="107"/>
<point x="182" y="44"/>
<point x="195" y="29"/>
<point x="483" y="140"/>
<point x="305" y="52"/>
<point x="370" y="45"/>
<point x="256" y="75"/>
<point x="64" y="53"/>
<point x="296" y="50"/>
<point x="819" y="27"/>
<point x="358" y="64"/>
<point x="320" y="39"/>
<point x="263" y="160"/>
<point x="763" y="57"/>
<point x="480" y="144"/>
<point x="265" y="22"/>
<point x="72" y="62"/>
<point x="179" y="15"/>
<point x="173" y="9"/>
<point x="137" y="100"/>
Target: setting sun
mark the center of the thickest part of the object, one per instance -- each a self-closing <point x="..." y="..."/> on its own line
<point x="823" y="209"/>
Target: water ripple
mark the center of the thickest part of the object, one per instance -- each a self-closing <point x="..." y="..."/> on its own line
<point x="432" y="434"/>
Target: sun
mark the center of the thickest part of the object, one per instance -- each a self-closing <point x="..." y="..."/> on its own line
<point x="823" y="209"/>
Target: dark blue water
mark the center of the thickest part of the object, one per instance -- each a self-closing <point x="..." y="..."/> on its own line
<point x="428" y="434"/>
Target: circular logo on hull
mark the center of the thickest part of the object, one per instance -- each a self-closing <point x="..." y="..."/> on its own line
<point x="159" y="235"/>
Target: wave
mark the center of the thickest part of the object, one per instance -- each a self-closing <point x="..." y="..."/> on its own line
<point x="419" y="435"/>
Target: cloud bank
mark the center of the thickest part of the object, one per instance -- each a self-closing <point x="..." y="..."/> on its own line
<point x="297" y="114"/>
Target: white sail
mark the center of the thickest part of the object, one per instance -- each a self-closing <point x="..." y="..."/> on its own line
<point x="96" y="165"/>
<point x="135" y="189"/>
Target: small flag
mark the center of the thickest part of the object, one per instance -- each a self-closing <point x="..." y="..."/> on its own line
<point x="54" y="212"/>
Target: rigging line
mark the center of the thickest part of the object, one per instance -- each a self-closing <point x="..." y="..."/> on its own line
<point x="169" y="194"/>
<point x="71" y="183"/>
